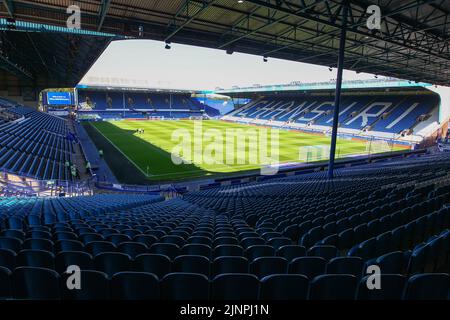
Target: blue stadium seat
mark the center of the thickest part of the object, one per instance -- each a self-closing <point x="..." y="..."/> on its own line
<point x="384" y="243"/>
<point x="229" y="264"/>
<point x="97" y="247"/>
<point x="134" y="286"/>
<point x="391" y="263"/>
<point x="284" y="287"/>
<point x="62" y="227"/>
<point x="94" y="286"/>
<point x="308" y="266"/>
<point x="312" y="237"/>
<point x="39" y="235"/>
<point x="326" y="252"/>
<point x="197" y="249"/>
<point x="38" y="244"/>
<point x="36" y="284"/>
<point x="118" y="238"/>
<point x="90" y="237"/>
<point x="11" y="233"/>
<point x="191" y="264"/>
<point x="278" y="242"/>
<point x="15" y="223"/>
<point x="346" y="265"/>
<point x="158" y="234"/>
<point x="7" y="259"/>
<point x="360" y="233"/>
<point x="170" y="239"/>
<point x="417" y="260"/>
<point x="292" y="232"/>
<point x="264" y="266"/>
<point x="333" y="287"/>
<point x="428" y="287"/>
<point x="228" y="250"/>
<point x="13" y="244"/>
<point x="157" y="264"/>
<point x="81" y="259"/>
<point x="184" y="286"/>
<point x="290" y="252"/>
<point x="235" y="286"/>
<point x="132" y="249"/>
<point x="6" y="291"/>
<point x="392" y="288"/>
<point x="112" y="262"/>
<point x="146" y="239"/>
<point x="252" y="241"/>
<point x="36" y="258"/>
<point x="225" y="241"/>
<point x="257" y="251"/>
<point x="109" y="232"/>
<point x="345" y="239"/>
<point x="169" y="249"/>
<point x="331" y="240"/>
<point x="64" y="235"/>
<point x="132" y="233"/>
<point x="200" y="240"/>
<point x="68" y="245"/>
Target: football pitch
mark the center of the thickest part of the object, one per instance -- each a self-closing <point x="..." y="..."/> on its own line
<point x="205" y="148"/>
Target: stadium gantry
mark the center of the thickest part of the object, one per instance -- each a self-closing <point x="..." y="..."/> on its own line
<point x="295" y="235"/>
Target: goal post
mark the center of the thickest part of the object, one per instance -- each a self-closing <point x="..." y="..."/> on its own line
<point x="378" y="146"/>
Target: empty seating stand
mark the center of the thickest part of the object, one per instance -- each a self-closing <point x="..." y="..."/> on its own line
<point x="306" y="239"/>
<point x="36" y="144"/>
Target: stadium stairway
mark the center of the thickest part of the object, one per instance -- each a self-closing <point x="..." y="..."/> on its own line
<point x="91" y="152"/>
<point x="78" y="158"/>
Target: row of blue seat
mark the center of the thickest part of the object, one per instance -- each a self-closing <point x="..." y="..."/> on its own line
<point x="392" y="114"/>
<point x="130" y="259"/>
<point x="40" y="283"/>
<point x="378" y="211"/>
<point x="36" y="146"/>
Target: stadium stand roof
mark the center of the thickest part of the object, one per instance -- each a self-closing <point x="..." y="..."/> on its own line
<point x="61" y="57"/>
<point x="372" y="84"/>
<point x="132" y="89"/>
<point x="413" y="42"/>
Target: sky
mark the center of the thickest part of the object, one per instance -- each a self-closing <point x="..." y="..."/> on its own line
<point x="146" y="63"/>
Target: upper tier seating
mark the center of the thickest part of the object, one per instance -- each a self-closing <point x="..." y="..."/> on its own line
<point x="141" y="105"/>
<point x="387" y="114"/>
<point x="300" y="237"/>
<point x="36" y="144"/>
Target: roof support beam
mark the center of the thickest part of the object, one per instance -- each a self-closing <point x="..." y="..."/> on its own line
<point x="9" y="7"/>
<point x="205" y="6"/>
<point x="184" y="7"/>
<point x="38" y="53"/>
<point x="351" y="29"/>
<point x="12" y="67"/>
<point x="103" y="11"/>
<point x="271" y="23"/>
<point x="337" y="96"/>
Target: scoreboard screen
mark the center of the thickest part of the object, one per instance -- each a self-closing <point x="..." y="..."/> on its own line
<point x="59" y="98"/>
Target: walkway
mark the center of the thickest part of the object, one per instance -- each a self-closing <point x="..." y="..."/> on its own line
<point x="99" y="165"/>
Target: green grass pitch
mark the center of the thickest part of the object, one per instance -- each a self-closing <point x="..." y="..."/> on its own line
<point x="151" y="152"/>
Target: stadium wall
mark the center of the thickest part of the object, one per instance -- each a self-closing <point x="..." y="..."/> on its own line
<point x="444" y="108"/>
